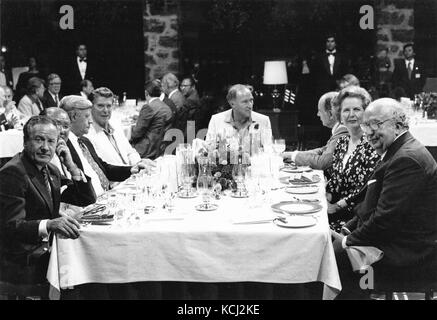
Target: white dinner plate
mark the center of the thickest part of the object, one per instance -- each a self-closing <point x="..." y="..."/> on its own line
<point x="296" y="169"/>
<point x="302" y="190"/>
<point x="297" y="182"/>
<point x="296" y="207"/>
<point x="296" y="222"/>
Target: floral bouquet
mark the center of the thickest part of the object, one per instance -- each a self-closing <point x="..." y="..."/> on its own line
<point x="427" y="102"/>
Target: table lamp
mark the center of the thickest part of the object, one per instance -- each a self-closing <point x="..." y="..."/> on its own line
<point x="275" y="73"/>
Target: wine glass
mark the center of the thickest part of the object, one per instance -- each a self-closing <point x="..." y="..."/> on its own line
<point x="239" y="174"/>
<point x="279" y="146"/>
<point x="205" y="188"/>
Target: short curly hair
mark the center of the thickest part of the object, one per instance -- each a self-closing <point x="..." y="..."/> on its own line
<point x="351" y="92"/>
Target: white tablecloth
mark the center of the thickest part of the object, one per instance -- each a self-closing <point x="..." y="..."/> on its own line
<point x="11" y="142"/>
<point x="199" y="247"/>
<point x="425" y="131"/>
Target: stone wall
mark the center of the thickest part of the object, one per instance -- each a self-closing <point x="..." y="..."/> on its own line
<point x="395" y="26"/>
<point x="161" y="42"/>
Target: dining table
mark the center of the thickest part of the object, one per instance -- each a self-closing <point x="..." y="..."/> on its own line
<point x="243" y="239"/>
<point x="11" y="142"/>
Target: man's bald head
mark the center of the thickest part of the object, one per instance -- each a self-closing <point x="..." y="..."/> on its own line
<point x="60" y="116"/>
<point x="383" y="121"/>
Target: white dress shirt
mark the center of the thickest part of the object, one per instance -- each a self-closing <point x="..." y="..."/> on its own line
<point x="55" y="96"/>
<point x="106" y="150"/>
<point x="87" y="169"/>
<point x="331" y="60"/>
<point x="412" y="63"/>
<point x="82" y="67"/>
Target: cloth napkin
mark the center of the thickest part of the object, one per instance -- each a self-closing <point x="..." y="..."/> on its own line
<point x="362" y="257"/>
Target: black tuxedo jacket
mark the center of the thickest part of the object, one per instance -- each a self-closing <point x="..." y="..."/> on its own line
<point x="400" y="77"/>
<point x="399" y="212"/>
<point x="325" y="81"/>
<point x="48" y="101"/>
<point x="112" y="172"/>
<point x="25" y="201"/>
<point x="72" y="76"/>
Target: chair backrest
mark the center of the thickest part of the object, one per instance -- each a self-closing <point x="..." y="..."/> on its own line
<point x="430" y="85"/>
<point x="16" y="73"/>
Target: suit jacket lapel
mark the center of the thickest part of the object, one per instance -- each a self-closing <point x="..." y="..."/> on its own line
<point x="74" y="155"/>
<point x="326" y="64"/>
<point x="38" y="181"/>
<point x="337" y="61"/>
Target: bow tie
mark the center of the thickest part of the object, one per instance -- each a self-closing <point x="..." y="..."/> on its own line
<point x="82" y="59"/>
<point x="330" y="53"/>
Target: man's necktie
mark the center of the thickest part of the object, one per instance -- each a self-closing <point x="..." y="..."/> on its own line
<point x="45" y="174"/>
<point x="56" y="100"/>
<point x="409" y="69"/>
<point x="102" y="177"/>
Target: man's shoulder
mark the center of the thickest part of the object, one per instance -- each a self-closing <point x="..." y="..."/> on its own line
<point x="15" y="166"/>
<point x="221" y="115"/>
<point x="259" y="117"/>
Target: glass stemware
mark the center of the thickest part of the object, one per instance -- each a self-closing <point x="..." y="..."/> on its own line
<point x="279" y="146"/>
<point x="205" y="182"/>
<point x="239" y="175"/>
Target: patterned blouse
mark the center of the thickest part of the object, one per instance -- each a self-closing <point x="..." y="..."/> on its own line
<point x="346" y="182"/>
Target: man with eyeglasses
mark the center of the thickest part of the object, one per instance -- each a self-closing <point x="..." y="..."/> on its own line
<point x="52" y="95"/>
<point x="106" y="134"/>
<point x="398" y="213"/>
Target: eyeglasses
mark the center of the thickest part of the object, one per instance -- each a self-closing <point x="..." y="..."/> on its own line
<point x="366" y="126"/>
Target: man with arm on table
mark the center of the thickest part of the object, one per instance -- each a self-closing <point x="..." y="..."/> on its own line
<point x="83" y="152"/>
<point x="321" y="158"/>
<point x="106" y="134"/>
<point x="399" y="212"/>
<point x="241" y="120"/>
<point x="30" y="198"/>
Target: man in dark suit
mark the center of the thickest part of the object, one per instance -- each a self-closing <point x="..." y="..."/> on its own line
<point x="79" y="69"/>
<point x="30" y="198"/>
<point x="409" y="74"/>
<point x="83" y="152"/>
<point x="399" y="212"/>
<point x="52" y="95"/>
<point x="329" y="67"/>
<point x="154" y="120"/>
<point x="5" y="73"/>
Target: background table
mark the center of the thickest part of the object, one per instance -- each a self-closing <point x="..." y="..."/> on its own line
<point x="200" y="247"/>
<point x="425" y="131"/>
<point x="11" y="142"/>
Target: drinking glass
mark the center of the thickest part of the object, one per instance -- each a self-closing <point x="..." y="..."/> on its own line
<point x="239" y="175"/>
<point x="279" y="146"/>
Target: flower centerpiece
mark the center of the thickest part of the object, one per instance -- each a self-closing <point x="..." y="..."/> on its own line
<point x="427" y="103"/>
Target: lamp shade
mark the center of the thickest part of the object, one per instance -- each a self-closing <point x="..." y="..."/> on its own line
<point x="275" y="72"/>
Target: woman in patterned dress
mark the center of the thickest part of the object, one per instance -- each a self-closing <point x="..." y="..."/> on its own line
<point x="353" y="159"/>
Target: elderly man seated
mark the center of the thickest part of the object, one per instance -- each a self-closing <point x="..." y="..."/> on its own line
<point x="30" y="198"/>
<point x="102" y="174"/>
<point x="240" y="121"/>
<point x="321" y="158"/>
<point x="106" y="135"/>
<point x="398" y="213"/>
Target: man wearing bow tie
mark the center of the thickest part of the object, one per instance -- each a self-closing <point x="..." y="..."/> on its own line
<point x="80" y="69"/>
<point x="329" y="67"/>
<point x="409" y="74"/>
